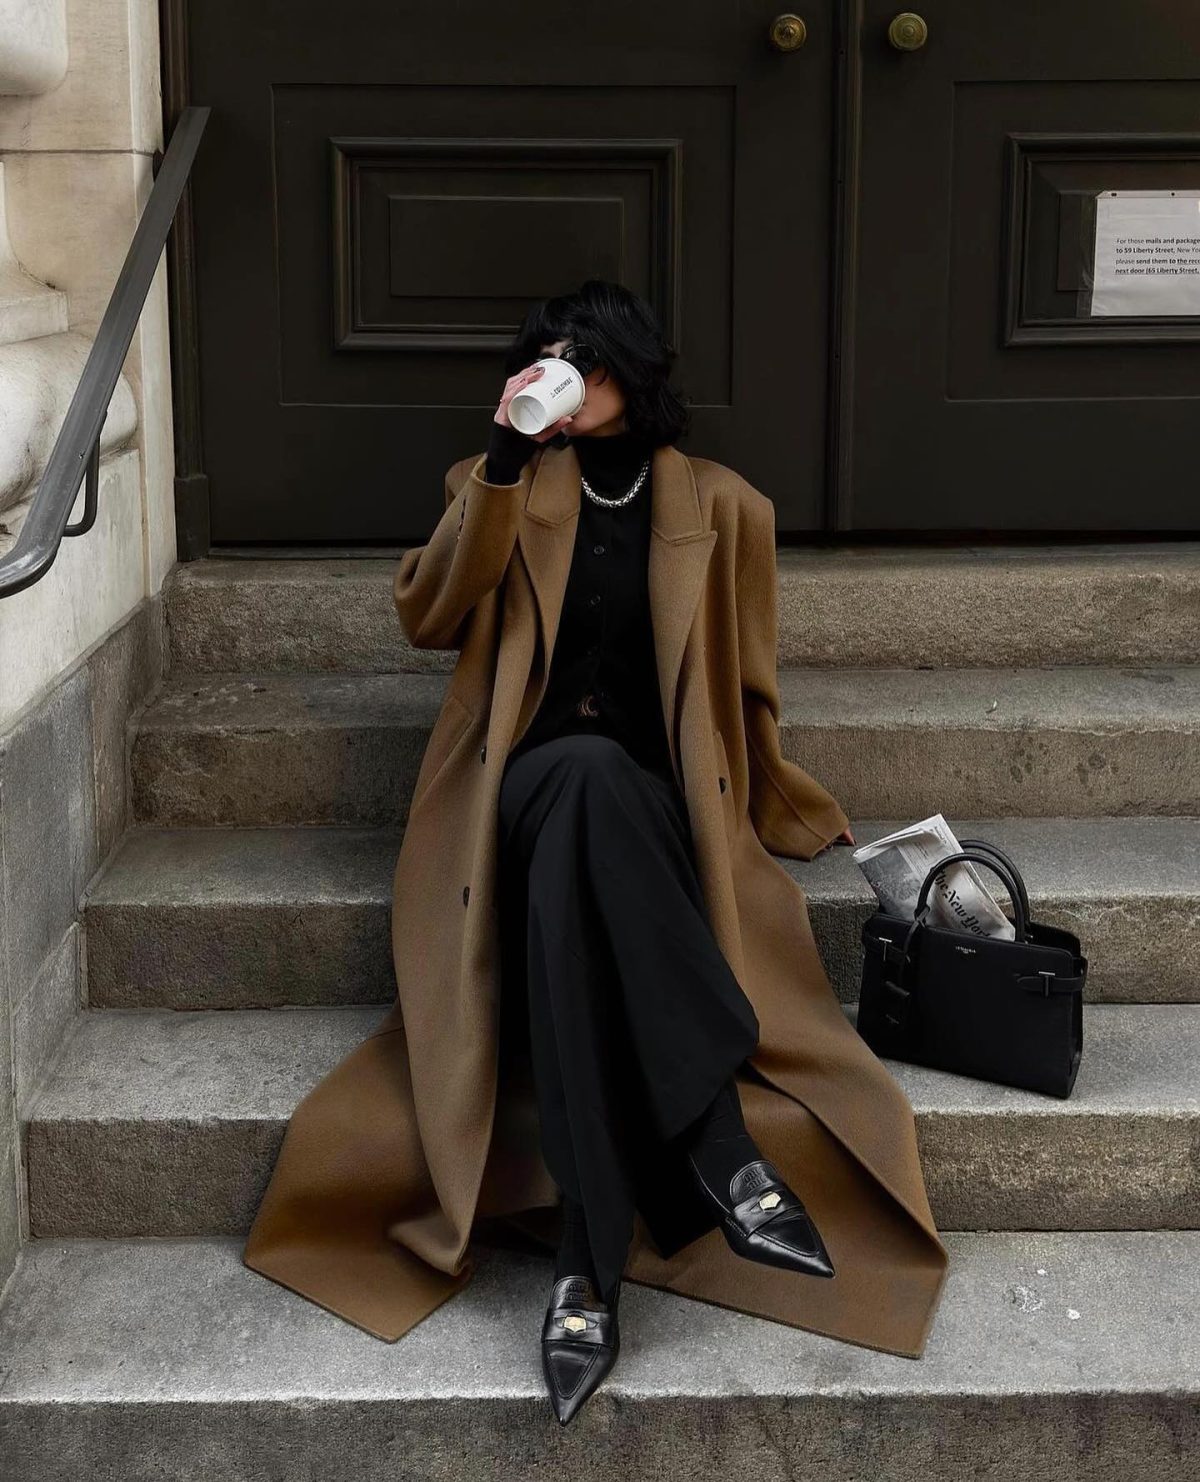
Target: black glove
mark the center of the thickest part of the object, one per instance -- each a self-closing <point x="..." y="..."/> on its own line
<point x="508" y="452"/>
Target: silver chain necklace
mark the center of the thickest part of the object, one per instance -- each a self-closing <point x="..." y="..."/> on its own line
<point x="621" y="498"/>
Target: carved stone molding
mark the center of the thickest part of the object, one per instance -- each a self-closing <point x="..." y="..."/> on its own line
<point x="33" y="45"/>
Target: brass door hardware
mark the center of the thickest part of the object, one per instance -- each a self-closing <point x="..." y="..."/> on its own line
<point x="908" y="32"/>
<point x="788" y="32"/>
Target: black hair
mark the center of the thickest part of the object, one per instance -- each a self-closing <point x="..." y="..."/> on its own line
<point x="628" y="340"/>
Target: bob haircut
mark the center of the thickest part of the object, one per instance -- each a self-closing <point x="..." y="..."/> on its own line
<point x="624" y="331"/>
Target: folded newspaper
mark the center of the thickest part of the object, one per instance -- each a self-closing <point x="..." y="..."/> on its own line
<point x="896" y="867"/>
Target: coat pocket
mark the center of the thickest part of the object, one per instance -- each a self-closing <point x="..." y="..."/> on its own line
<point x="454" y="720"/>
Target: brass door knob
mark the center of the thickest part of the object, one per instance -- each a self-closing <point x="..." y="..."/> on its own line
<point x="787" y="33"/>
<point x="908" y="32"/>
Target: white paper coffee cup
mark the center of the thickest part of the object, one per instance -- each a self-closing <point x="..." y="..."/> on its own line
<point x="557" y="392"/>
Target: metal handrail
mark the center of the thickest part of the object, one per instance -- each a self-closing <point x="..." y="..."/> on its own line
<point x="76" y="453"/>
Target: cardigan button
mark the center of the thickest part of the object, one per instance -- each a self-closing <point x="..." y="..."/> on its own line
<point x="466" y="893"/>
<point x="721" y="781"/>
<point x="483" y="754"/>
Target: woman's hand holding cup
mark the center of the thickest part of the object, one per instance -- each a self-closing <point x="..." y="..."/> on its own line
<point x="511" y="387"/>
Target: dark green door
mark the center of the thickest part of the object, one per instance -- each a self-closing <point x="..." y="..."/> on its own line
<point x="874" y="251"/>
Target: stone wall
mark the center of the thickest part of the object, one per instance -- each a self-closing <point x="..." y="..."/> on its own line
<point x="62" y="807"/>
<point x="80" y="119"/>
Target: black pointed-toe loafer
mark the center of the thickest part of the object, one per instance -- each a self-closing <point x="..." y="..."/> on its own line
<point x="580" y="1343"/>
<point x="763" y="1220"/>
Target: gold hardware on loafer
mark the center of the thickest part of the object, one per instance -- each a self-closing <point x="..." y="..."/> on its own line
<point x="574" y="1323"/>
<point x="769" y="1201"/>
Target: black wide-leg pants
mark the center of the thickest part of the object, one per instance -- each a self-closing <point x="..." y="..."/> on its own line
<point x="635" y="1018"/>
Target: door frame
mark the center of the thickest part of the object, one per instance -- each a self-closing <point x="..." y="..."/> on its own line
<point x="192" y="525"/>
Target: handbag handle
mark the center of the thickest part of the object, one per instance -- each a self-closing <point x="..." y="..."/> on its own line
<point x="1004" y="859"/>
<point x="1017" y="894"/>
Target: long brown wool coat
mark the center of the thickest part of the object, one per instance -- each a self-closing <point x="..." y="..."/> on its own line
<point x="387" y="1162"/>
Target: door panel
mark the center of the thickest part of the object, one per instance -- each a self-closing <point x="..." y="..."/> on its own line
<point x="381" y="194"/>
<point x="984" y="398"/>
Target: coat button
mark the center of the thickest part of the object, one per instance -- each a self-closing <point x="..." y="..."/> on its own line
<point x="593" y="599"/>
<point x="597" y="550"/>
<point x="721" y="781"/>
<point x="466" y="893"/>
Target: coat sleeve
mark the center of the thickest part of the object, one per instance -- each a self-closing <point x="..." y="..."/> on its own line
<point x="791" y="812"/>
<point x="437" y="584"/>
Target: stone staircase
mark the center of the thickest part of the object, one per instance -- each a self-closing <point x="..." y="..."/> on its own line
<point x="237" y="945"/>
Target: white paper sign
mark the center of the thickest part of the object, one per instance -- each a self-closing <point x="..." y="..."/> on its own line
<point x="1147" y="252"/>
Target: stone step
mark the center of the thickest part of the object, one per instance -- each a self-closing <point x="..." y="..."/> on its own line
<point x="1073" y="1355"/>
<point x="266" y="749"/>
<point x="161" y="1122"/>
<point x="220" y="918"/>
<point x="1069" y="742"/>
<point x="1093" y="603"/>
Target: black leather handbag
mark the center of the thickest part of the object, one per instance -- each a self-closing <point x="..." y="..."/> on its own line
<point x="1003" y="1011"/>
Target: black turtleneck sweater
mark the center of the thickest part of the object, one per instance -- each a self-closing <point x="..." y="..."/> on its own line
<point x="603" y="660"/>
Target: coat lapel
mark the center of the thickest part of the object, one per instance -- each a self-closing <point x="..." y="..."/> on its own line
<point x="680" y="546"/>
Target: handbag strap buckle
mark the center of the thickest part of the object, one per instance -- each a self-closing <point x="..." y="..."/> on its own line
<point x="898" y="998"/>
<point x="896" y="995"/>
<point x="1046" y="982"/>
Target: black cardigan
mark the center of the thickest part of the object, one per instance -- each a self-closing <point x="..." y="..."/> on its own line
<point x="604" y="651"/>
